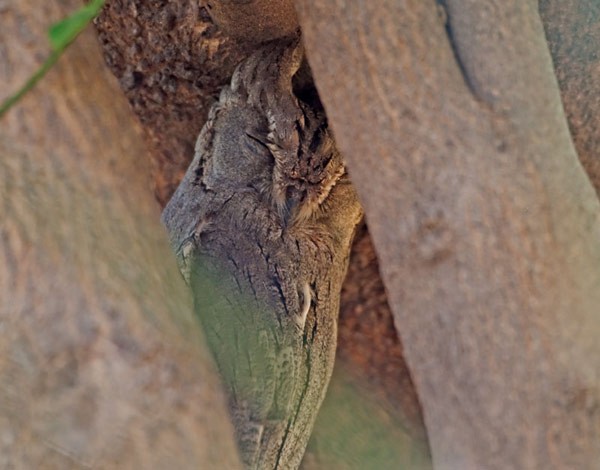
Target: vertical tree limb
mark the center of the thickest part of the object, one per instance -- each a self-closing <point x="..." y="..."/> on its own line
<point x="101" y="361"/>
<point x="485" y="225"/>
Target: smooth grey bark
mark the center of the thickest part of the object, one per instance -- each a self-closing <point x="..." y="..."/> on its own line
<point x="484" y="221"/>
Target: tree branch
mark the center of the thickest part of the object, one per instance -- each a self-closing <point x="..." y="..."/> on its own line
<point x="484" y="223"/>
<point x="101" y="361"/>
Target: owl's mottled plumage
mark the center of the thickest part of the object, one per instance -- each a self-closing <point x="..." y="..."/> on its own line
<point x="262" y="224"/>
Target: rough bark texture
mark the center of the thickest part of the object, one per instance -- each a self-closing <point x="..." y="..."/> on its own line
<point x="101" y="362"/>
<point x="262" y="223"/>
<point x="253" y="21"/>
<point x="486" y="226"/>
<point x="171" y="61"/>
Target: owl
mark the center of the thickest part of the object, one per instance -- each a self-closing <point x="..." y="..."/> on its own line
<point x="262" y="225"/>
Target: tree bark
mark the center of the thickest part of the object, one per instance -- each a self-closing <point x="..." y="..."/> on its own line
<point x="171" y="61"/>
<point x="101" y="361"/>
<point x="485" y="224"/>
<point x="253" y="21"/>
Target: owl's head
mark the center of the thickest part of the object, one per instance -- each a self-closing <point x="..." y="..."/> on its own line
<point x="271" y="130"/>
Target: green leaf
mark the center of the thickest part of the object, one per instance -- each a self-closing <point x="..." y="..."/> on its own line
<point x="62" y="33"/>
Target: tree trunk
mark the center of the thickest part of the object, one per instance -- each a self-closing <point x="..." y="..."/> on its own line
<point x="101" y="361"/>
<point x="485" y="224"/>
